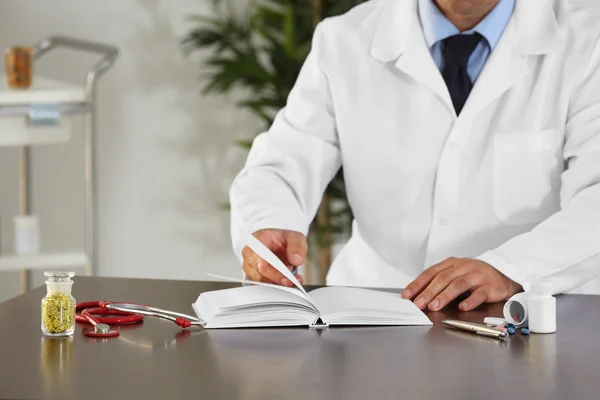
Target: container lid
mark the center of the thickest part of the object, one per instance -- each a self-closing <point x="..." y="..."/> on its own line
<point x="59" y="276"/>
<point x="542" y="287"/>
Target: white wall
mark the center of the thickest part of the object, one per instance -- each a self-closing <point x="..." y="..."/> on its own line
<point x="165" y="153"/>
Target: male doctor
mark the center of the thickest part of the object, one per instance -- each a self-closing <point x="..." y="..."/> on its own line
<point x="469" y="135"/>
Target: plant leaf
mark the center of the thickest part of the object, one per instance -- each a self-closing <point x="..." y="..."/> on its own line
<point x="224" y="206"/>
<point x="289" y="28"/>
<point x="245" y="144"/>
<point x="261" y="49"/>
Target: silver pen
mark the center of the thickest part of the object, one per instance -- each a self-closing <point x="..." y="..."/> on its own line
<point x="478" y="329"/>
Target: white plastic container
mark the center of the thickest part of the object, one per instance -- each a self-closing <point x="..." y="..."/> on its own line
<point x="517" y="305"/>
<point x="542" y="308"/>
<point x="27" y="234"/>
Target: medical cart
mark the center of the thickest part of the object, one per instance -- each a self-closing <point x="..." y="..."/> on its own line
<point x="19" y="131"/>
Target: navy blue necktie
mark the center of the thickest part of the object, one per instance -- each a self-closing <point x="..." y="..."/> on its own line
<point x="457" y="51"/>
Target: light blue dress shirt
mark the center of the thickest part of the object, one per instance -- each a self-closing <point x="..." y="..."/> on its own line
<point x="436" y="28"/>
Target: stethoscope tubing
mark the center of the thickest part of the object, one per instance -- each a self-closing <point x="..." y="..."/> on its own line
<point x="129" y="313"/>
<point x="104" y="316"/>
<point x="147" y="310"/>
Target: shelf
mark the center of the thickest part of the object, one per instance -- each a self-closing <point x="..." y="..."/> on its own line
<point x="42" y="91"/>
<point x="12" y="262"/>
<point x="34" y="137"/>
<point x="16" y="126"/>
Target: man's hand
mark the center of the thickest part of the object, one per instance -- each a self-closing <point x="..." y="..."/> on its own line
<point x="442" y="283"/>
<point x="289" y="246"/>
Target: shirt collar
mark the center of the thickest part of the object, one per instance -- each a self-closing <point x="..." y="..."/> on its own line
<point x="436" y="27"/>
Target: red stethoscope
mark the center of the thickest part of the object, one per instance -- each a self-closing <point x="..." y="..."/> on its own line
<point x="102" y="314"/>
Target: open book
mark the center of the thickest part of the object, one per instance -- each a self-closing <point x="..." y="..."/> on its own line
<point x="267" y="305"/>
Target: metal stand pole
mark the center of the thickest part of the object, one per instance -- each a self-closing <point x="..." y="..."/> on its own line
<point x="24" y="203"/>
<point x="109" y="54"/>
<point x="90" y="187"/>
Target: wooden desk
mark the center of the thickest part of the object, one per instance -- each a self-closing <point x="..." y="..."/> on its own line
<point x="155" y="360"/>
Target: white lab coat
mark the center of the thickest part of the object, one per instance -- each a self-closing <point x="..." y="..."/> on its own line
<point x="513" y="181"/>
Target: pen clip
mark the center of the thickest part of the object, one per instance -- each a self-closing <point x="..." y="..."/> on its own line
<point x="498" y="335"/>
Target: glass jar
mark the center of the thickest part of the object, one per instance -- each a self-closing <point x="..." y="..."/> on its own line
<point x="58" y="306"/>
<point x="18" y="62"/>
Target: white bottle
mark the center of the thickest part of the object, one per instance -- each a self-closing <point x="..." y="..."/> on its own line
<point x="542" y="308"/>
<point x="27" y="234"/>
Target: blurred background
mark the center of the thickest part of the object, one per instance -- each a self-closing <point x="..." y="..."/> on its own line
<point x="195" y="81"/>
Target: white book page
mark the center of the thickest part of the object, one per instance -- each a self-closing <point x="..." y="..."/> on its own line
<point x="293" y="291"/>
<point x="243" y="297"/>
<point x="253" y="306"/>
<point x="364" y="303"/>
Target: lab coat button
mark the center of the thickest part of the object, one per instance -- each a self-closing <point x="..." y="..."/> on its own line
<point x="443" y="221"/>
<point x="452" y="145"/>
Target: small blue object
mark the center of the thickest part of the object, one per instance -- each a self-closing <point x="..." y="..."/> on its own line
<point x="44" y="114"/>
<point x="525" y="331"/>
<point x="511" y="331"/>
<point x="510" y="326"/>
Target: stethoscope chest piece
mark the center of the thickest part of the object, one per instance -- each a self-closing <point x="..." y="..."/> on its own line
<point x="101" y="331"/>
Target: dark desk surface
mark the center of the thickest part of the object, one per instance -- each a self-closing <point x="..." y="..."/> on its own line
<point x="155" y="360"/>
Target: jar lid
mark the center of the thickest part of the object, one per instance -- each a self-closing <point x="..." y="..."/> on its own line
<point x="59" y="275"/>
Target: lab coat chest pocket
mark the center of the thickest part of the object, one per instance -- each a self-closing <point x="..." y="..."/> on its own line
<point x="526" y="175"/>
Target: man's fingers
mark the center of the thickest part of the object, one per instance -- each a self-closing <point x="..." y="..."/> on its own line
<point x="296" y="247"/>
<point x="247" y="253"/>
<point x="476" y="298"/>
<point x="289" y="246"/>
<point x="251" y="265"/>
<point x="438" y="285"/>
<point x="457" y="287"/>
<point x="416" y="286"/>
<point x="252" y="273"/>
<point x="271" y="273"/>
<point x="260" y="270"/>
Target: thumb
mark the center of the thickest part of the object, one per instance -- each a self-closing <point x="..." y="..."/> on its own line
<point x="296" y="248"/>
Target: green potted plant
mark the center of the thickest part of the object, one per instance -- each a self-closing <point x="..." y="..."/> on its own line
<point x="261" y="48"/>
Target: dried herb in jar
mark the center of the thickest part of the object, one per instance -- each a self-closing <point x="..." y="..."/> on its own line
<point x="58" y="312"/>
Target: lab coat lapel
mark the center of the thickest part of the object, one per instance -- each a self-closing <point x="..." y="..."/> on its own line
<point x="504" y="68"/>
<point x="417" y="62"/>
<point x="399" y="39"/>
<point x="533" y="30"/>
